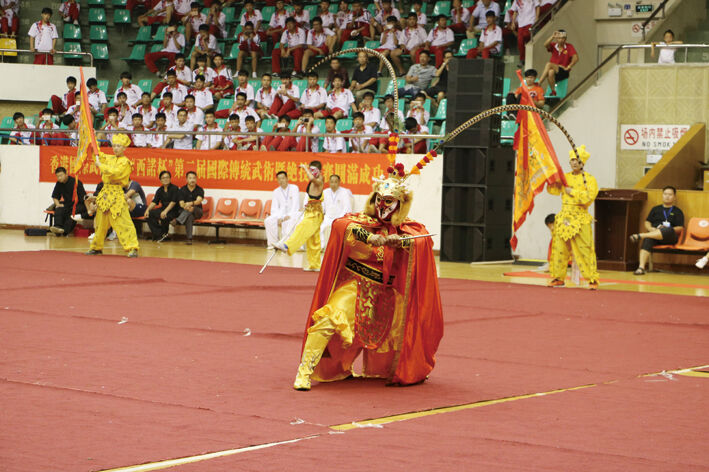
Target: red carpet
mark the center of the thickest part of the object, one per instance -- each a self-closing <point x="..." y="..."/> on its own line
<point x="83" y="391"/>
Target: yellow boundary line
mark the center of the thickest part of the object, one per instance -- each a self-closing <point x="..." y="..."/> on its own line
<point x="375" y="422"/>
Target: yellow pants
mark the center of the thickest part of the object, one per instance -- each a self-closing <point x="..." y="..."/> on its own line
<point x="584" y="253"/>
<point x="308" y="232"/>
<point x="122" y="225"/>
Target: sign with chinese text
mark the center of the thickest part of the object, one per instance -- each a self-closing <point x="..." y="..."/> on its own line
<point x="650" y="137"/>
<point x="237" y="170"/>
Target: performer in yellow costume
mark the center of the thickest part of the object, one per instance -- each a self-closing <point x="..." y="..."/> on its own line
<point x="112" y="208"/>
<point x="308" y="230"/>
<point x="572" y="226"/>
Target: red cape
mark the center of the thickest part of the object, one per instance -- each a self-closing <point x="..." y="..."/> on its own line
<point x="424" y="315"/>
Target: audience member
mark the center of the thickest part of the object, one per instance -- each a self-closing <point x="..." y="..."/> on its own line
<point x="440" y="39"/>
<point x="180" y="136"/>
<point x="417" y="9"/>
<point x="384" y="11"/>
<point x="249" y="46"/>
<point x="60" y="105"/>
<point x="361" y="24"/>
<point x="96" y="97"/>
<point x="265" y="97"/>
<point x="320" y="41"/>
<point x="253" y="16"/>
<point x="535" y="91"/>
<point x="22" y="133"/>
<point x="524" y="15"/>
<point x="417" y="109"/>
<point x="132" y="91"/>
<point x="47" y="138"/>
<point x="664" y="224"/>
<point x="63" y="196"/>
<point x="439" y="84"/>
<point x="419" y="76"/>
<point x="389" y="40"/>
<point x="137" y="139"/>
<point x="285" y="209"/>
<point x="172" y="45"/>
<point x="337" y="202"/>
<point x="364" y="77"/>
<point x="195" y="116"/>
<point x="159" y="140"/>
<point x="43" y="38"/>
<point x="193" y="20"/>
<point x="339" y="102"/>
<point x="563" y="58"/>
<point x="243" y="86"/>
<point x="271" y="143"/>
<point x="389" y="110"/>
<point x="135" y="197"/>
<point x="165" y="12"/>
<point x="360" y="144"/>
<point x="190" y="199"/>
<point x="168" y="108"/>
<point x="216" y="20"/>
<point x="205" y="45"/>
<point x="205" y="70"/>
<point x="301" y="16"/>
<point x="230" y="141"/>
<point x="292" y="46"/>
<point x="249" y="143"/>
<point x="326" y="16"/>
<point x="333" y="144"/>
<point x="286" y="97"/>
<point x="413" y="145"/>
<point x="411" y="41"/>
<point x="478" y="15"/>
<point x="460" y="17"/>
<point x="372" y="115"/>
<point x="336" y="70"/>
<point x="147" y="110"/>
<point x="203" y="97"/>
<point x="314" y="98"/>
<point x="667" y="55"/>
<point x="490" y="42"/>
<point x="10" y="21"/>
<point x="164" y="207"/>
<point x="209" y="141"/>
<point x="222" y="85"/>
<point x="277" y="25"/>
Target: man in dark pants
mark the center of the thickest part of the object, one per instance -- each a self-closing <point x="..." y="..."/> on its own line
<point x="664" y="224"/>
<point x="63" y="196"/>
<point x="159" y="219"/>
<point x="191" y="196"/>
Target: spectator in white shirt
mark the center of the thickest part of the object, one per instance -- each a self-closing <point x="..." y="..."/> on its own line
<point x="222" y="84"/>
<point x="183" y="75"/>
<point x="193" y="20"/>
<point x="253" y="16"/>
<point x="524" y="14"/>
<point x="314" y="97"/>
<point x="326" y="16"/>
<point x="389" y="39"/>
<point x="165" y="11"/>
<point x="241" y="109"/>
<point x="47" y="138"/>
<point x="249" y="143"/>
<point x="285" y="209"/>
<point x="460" y="17"/>
<point x="125" y="111"/>
<point x="286" y="98"/>
<point x="301" y="16"/>
<point x="667" y="55"/>
<point x="337" y="202"/>
<point x="203" y="98"/>
<point x="96" y="97"/>
<point x="178" y="92"/>
<point x="490" y="42"/>
<point x="146" y="108"/>
<point x="292" y="45"/>
<point x="137" y="140"/>
<point x="70" y="11"/>
<point x="205" y="45"/>
<point x="180" y="134"/>
<point x="168" y="108"/>
<point x="158" y="140"/>
<point x="417" y="9"/>
<point x="132" y="91"/>
<point x="383" y="13"/>
<point x="243" y="86"/>
<point x="440" y="39"/>
<point x="271" y="143"/>
<point x="389" y="108"/>
<point x="110" y="124"/>
<point x="361" y="24"/>
<point x="172" y="45"/>
<point x="203" y="69"/>
<point x="264" y="97"/>
<point x="411" y="41"/>
<point x="209" y="141"/>
<point x="361" y="145"/>
<point x="477" y="15"/>
<point x="195" y="116"/>
<point x="43" y="38"/>
<point x="229" y="141"/>
<point x="23" y="131"/>
<point x="339" y="102"/>
<point x="320" y="42"/>
<point x="372" y="115"/>
<point x="277" y="25"/>
<point x="216" y="20"/>
<point x="417" y="110"/>
<point x="333" y="144"/>
<point x="249" y="46"/>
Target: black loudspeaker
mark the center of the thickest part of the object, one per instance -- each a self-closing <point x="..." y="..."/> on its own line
<point x="479" y="166"/>
<point x="464" y="243"/>
<point x="476" y="205"/>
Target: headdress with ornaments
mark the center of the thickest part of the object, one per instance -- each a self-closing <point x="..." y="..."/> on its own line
<point x="395" y="184"/>
<point x="582" y="156"/>
<point x="121" y="140"/>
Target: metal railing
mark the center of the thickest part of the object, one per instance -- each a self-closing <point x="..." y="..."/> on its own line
<point x="3" y="54"/>
<point x="630" y="47"/>
<point x="594" y="72"/>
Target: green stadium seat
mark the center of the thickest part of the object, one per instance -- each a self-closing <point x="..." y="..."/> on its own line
<point x="312" y="9"/>
<point x="372" y="9"/>
<point x="442" y="129"/>
<point x="225" y="104"/>
<point x="302" y="84"/>
<point x="372" y="44"/>
<point x="119" y="3"/>
<point x="343" y="124"/>
<point x="321" y="82"/>
<point x="264" y="48"/>
<point x="156" y="102"/>
<point x="97" y="3"/>
<point x="348" y="45"/>
<point x="267" y="13"/>
<point x="320" y="124"/>
<point x="71" y="32"/>
<point x="375" y="103"/>
<point x="234" y="53"/>
<point x="144" y="35"/>
<point x="400" y="82"/>
<point x="97" y="15"/>
<point x="146" y="85"/>
<point x="255" y="83"/>
<point x="136" y="54"/>
<point x="99" y="51"/>
<point x="98" y="33"/>
<point x="7" y="122"/>
<point x="442" y="7"/>
<point x="441" y="111"/>
<point x="508" y="129"/>
<point x="72" y="47"/>
<point x="333" y="7"/>
<point x="469" y="3"/>
<point x="221" y="122"/>
<point x="561" y="90"/>
<point x="266" y="125"/>
<point x="230" y="15"/>
<point x="506" y="84"/>
<point x="121" y="17"/>
<point x="466" y="45"/>
<point x="237" y="32"/>
<point x="293" y="124"/>
<point x="159" y="35"/>
<point x="103" y="86"/>
<point x="156" y="48"/>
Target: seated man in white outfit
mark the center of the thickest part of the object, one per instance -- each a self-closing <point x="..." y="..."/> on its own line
<point x="337" y="202"/>
<point x="285" y="209"/>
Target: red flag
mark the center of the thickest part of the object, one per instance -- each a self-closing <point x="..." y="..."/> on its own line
<point x="87" y="147"/>
<point x="537" y="164"/>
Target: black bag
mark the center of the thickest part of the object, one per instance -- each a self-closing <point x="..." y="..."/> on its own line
<point x="35" y="232"/>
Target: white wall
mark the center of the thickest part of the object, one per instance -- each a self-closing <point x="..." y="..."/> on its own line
<point x="593" y="121"/>
<point x="23" y="197"/>
<point x="31" y="83"/>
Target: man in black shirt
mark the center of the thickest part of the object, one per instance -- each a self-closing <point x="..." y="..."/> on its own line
<point x="63" y="196"/>
<point x="191" y="196"/>
<point x="664" y="224"/>
<point x="167" y="197"/>
<point x="364" y="77"/>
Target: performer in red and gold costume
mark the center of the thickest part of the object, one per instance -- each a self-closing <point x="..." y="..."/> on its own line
<point x="377" y="295"/>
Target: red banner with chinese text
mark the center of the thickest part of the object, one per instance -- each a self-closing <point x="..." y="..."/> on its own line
<point x="238" y="170"/>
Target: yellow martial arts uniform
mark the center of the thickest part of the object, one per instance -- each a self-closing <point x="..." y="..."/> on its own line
<point x="572" y="227"/>
<point x="113" y="211"/>
<point x="308" y="232"/>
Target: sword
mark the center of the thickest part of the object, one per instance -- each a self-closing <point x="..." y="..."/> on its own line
<point x="270" y="258"/>
<point x="418" y="236"/>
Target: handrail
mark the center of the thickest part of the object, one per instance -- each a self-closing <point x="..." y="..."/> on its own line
<point x="541" y="22"/>
<point x="605" y="61"/>
<point x="47" y="53"/>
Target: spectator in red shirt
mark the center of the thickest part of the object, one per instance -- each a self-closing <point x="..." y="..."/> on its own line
<point x="563" y="58"/>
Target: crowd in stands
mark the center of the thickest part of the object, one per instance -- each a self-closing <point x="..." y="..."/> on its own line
<point x="198" y="93"/>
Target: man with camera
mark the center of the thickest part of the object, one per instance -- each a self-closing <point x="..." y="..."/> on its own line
<point x="172" y="45"/>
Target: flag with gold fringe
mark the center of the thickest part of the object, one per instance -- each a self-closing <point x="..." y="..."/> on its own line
<point x="537" y="164"/>
<point x="87" y="147"/>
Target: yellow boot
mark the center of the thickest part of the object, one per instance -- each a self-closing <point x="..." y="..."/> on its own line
<point x="314" y="347"/>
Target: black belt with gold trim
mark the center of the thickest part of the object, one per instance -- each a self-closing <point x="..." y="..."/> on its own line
<point x="366" y="271"/>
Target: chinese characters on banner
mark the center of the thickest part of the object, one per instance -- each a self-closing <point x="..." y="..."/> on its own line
<point x="247" y="170"/>
<point x="650" y="137"/>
